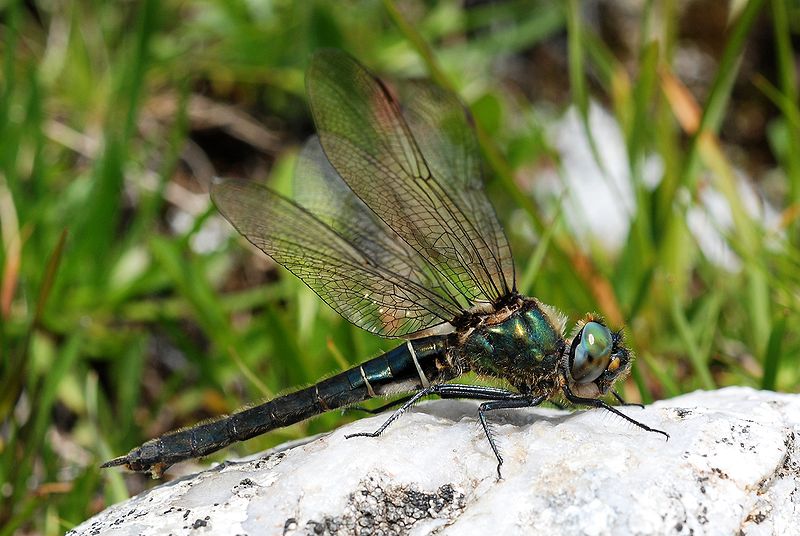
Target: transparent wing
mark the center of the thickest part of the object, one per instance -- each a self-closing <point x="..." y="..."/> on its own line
<point x="443" y="129"/>
<point x="444" y="218"/>
<point x="348" y="278"/>
<point x="319" y="189"/>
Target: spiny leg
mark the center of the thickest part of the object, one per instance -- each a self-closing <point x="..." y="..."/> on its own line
<point x="519" y="401"/>
<point x="474" y="392"/>
<point x="394" y="416"/>
<point x="379" y="409"/>
<point x="497" y="399"/>
<point x="596" y="402"/>
<point x="622" y="400"/>
<point x="444" y="390"/>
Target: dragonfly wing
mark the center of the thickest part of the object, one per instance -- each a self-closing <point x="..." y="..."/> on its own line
<point x="370" y="144"/>
<point x="444" y="131"/>
<point x="347" y="278"/>
<point x="319" y="189"/>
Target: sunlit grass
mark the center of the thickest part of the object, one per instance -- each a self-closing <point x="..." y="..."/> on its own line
<point x="127" y="307"/>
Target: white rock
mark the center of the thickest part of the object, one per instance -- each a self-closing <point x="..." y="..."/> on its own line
<point x="730" y="467"/>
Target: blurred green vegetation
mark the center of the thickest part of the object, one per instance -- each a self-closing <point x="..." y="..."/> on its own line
<point x="129" y="308"/>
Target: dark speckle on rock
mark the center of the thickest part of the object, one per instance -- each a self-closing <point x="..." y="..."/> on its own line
<point x="702" y="518"/>
<point x="719" y="472"/>
<point x="289" y="525"/>
<point x="756" y="517"/>
<point x="199" y="523"/>
<point x="379" y="508"/>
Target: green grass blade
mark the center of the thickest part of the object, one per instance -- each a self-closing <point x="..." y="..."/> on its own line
<point x="698" y="361"/>
<point x="774" y="354"/>
<point x="787" y="73"/>
<point x="715" y="104"/>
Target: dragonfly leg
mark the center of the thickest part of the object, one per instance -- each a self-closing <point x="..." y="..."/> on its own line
<point x="443" y="390"/>
<point x="380" y="409"/>
<point x="519" y="401"/>
<point x="596" y="402"/>
<point x="497" y="399"/>
<point x="410" y="401"/>
<point x="474" y="392"/>
<point x="622" y="400"/>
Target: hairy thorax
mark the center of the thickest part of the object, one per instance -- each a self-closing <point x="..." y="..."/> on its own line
<point x="523" y="343"/>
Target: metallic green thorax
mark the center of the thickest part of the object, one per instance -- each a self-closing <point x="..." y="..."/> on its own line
<point x="524" y="347"/>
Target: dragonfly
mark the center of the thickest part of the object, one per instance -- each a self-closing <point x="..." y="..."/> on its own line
<point x="390" y="225"/>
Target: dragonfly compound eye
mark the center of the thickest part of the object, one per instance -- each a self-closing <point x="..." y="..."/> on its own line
<point x="591" y="354"/>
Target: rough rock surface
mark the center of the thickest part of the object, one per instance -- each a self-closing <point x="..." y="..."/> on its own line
<point x="732" y="466"/>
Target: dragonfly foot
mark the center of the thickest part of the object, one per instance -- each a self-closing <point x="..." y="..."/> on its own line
<point x="645" y="427"/>
<point x="649" y="429"/>
<point x="362" y="434"/>
<point x="660" y="432"/>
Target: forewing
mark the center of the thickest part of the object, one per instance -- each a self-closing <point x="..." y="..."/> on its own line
<point x="322" y="192"/>
<point x="348" y="279"/>
<point x="444" y="131"/>
<point x="369" y="143"/>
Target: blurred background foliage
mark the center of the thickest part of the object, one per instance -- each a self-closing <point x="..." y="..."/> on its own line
<point x="643" y="157"/>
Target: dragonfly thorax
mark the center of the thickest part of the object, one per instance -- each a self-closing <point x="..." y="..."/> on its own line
<point x="523" y="345"/>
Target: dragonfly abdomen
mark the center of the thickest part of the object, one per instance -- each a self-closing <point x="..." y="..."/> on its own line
<point x="409" y="367"/>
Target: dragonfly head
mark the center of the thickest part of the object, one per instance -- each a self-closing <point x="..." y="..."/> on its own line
<point x="597" y="358"/>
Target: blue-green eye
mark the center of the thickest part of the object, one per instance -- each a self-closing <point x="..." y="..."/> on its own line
<point x="592" y="353"/>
